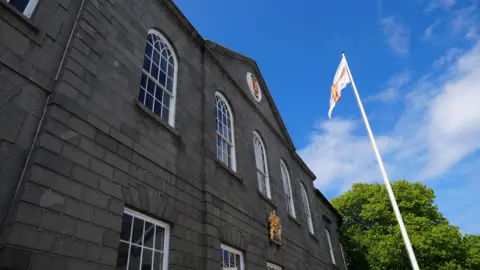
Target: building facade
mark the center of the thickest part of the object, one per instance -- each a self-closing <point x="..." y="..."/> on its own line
<point x="128" y="141"/>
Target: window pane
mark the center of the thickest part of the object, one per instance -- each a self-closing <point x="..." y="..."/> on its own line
<point x="169" y="85"/>
<point x="126" y="227"/>
<point x="156" y="57"/>
<point x="122" y="256"/>
<point x="147" y="259"/>
<point x="149" y="101"/>
<point x="141" y="96"/>
<point x="143" y="81"/>
<point x="134" y="263"/>
<point x="162" y="77"/>
<point x="154" y="72"/>
<point x="166" y="99"/>
<point x="170" y="71"/>
<point x="137" y="231"/>
<point x="165" y="113"/>
<point x="159" y="238"/>
<point x="146" y="63"/>
<point x="159" y="93"/>
<point x="19" y="4"/>
<point x="148" y="236"/>
<point x="163" y="64"/>
<point x="158" y="108"/>
<point x="158" y="261"/>
<point x="150" y="86"/>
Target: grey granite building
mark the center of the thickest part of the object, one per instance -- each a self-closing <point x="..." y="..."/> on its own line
<point x="128" y="141"/>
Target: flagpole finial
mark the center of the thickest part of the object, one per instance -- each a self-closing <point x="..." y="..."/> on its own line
<point x="342" y="52"/>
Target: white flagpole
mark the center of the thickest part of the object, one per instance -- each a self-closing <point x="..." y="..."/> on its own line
<point x="408" y="245"/>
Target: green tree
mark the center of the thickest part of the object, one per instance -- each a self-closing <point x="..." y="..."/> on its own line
<point x="373" y="239"/>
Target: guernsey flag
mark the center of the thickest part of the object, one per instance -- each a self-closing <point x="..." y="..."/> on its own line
<point x="340" y="81"/>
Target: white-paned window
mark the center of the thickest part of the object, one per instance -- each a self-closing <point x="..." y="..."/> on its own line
<point x="261" y="165"/>
<point x="159" y="73"/>
<point x="225" y="135"/>
<point x="143" y="243"/>
<point x="287" y="187"/>
<point x="327" y="233"/>
<point x="306" y="206"/>
<point x="271" y="266"/>
<point x="26" y="7"/>
<point x="232" y="259"/>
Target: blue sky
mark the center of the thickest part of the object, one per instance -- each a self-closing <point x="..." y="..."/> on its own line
<point x="417" y="67"/>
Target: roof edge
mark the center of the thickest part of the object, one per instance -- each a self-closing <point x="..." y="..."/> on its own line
<point x="188" y="27"/>
<point x="229" y="52"/>
<point x="330" y="205"/>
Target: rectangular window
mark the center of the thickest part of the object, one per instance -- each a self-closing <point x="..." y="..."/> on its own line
<point x="327" y="233"/>
<point x="26" y="7"/>
<point x="271" y="266"/>
<point x="143" y="243"/>
<point x="232" y="259"/>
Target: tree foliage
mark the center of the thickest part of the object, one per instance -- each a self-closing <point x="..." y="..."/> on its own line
<point x="372" y="236"/>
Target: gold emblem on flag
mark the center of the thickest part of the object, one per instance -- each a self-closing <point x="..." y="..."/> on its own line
<point x="275" y="227"/>
<point x="255" y="87"/>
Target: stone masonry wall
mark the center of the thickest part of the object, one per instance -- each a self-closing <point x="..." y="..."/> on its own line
<point x="98" y="151"/>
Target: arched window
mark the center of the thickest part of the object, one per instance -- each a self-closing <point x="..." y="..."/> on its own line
<point x="287" y="187"/>
<point x="225" y="136"/>
<point x="159" y="75"/>
<point x="306" y="205"/>
<point x="261" y="164"/>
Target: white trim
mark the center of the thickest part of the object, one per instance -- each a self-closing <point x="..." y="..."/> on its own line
<point x="235" y="251"/>
<point x="306" y="205"/>
<point x="233" y="161"/>
<point x="173" y="95"/>
<point x="274" y="266"/>
<point x="287" y="185"/>
<point x="267" y="178"/>
<point x="249" y="76"/>
<point x="332" y="255"/>
<point x="343" y="256"/>
<point x="166" y="237"/>
<point x="32" y="4"/>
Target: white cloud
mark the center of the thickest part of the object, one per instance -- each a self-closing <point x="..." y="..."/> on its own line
<point x="438" y="129"/>
<point x="463" y="21"/>
<point x="397" y="35"/>
<point x="393" y="86"/>
<point x="428" y="33"/>
<point x="472" y="32"/>
<point x="434" y="4"/>
<point x="450" y="56"/>
<point x="339" y="158"/>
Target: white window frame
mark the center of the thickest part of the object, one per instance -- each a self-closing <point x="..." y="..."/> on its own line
<point x="257" y="137"/>
<point x="287" y="188"/>
<point x="32" y="4"/>
<point x="273" y="266"/>
<point x="166" y="237"/>
<point x="306" y="205"/>
<point x="343" y="256"/>
<point x="332" y="254"/>
<point x="235" y="251"/>
<point x="233" y="160"/>
<point x="173" y="94"/>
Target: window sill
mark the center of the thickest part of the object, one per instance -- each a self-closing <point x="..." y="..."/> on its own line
<point x="162" y="122"/>
<point x="313" y="236"/>
<point x="232" y="172"/>
<point x="266" y="199"/>
<point x="18" y="19"/>
<point x="294" y="220"/>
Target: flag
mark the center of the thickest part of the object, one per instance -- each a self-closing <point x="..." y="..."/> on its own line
<point x="340" y="81"/>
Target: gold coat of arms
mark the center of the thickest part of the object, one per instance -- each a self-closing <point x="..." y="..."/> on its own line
<point x="275" y="227"/>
